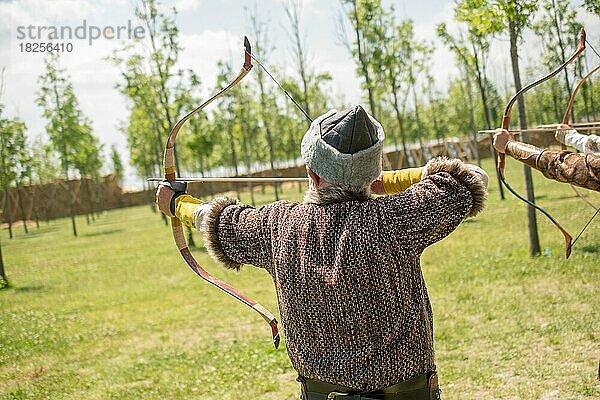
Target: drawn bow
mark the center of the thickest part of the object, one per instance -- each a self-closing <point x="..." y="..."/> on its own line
<point x="567" y="117"/>
<point x="506" y="124"/>
<point x="176" y="225"/>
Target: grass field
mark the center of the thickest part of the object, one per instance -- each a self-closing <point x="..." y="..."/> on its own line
<point x="116" y="313"/>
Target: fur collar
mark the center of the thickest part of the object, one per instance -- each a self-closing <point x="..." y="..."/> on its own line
<point x="336" y="194"/>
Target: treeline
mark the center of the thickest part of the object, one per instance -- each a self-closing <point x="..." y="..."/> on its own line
<point x="255" y="125"/>
<point x="68" y="150"/>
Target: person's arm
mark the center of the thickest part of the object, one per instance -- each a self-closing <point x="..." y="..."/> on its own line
<point x="234" y="233"/>
<point x="429" y="210"/>
<point x="583" y="143"/>
<point x="390" y="182"/>
<point x="563" y="166"/>
<point x="185" y="207"/>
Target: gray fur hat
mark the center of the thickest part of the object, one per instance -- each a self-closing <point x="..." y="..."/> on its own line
<point x="344" y="148"/>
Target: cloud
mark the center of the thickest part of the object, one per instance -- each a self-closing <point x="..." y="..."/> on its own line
<point x="187" y="5"/>
<point x="201" y="52"/>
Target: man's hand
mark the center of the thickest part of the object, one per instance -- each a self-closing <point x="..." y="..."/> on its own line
<point x="561" y="132"/>
<point x="501" y="139"/>
<point x="164" y="195"/>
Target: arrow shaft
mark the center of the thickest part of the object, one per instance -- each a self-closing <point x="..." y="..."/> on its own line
<point x="231" y="180"/>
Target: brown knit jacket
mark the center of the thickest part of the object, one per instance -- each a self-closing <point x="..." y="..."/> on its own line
<point x="353" y="302"/>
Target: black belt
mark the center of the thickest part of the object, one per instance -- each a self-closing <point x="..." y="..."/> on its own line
<point x="423" y="387"/>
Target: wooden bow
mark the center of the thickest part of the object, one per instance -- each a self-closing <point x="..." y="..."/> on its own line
<point x="565" y="121"/>
<point x="506" y="124"/>
<point x="176" y="225"/>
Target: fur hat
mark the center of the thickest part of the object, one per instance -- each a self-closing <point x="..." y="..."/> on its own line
<point x="344" y="148"/>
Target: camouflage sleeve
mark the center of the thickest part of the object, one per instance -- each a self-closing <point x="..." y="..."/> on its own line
<point x="578" y="169"/>
<point x="563" y="166"/>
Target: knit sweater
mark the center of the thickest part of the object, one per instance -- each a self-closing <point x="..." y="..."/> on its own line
<point x="353" y="302"/>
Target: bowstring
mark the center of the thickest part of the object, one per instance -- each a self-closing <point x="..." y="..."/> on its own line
<point x="597" y="209"/>
<point x="280" y="87"/>
<point x="592" y="47"/>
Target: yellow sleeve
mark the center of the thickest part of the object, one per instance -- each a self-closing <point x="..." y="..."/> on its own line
<point x="185" y="207"/>
<point x="397" y="181"/>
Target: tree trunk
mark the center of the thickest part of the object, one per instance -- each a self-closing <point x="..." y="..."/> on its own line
<point x="591" y="91"/>
<point x="400" y="121"/>
<point x="234" y="159"/>
<point x="481" y="78"/>
<point x="8" y="211"/>
<point x="3" y="279"/>
<point x="292" y="13"/>
<point x="563" y="56"/>
<point x="70" y="203"/>
<point x="100" y="195"/>
<point x="417" y="119"/>
<point x="22" y="208"/>
<point x="267" y="125"/>
<point x="558" y="117"/>
<point x="361" y="59"/>
<point x="247" y="160"/>
<point x="34" y="206"/>
<point x="472" y="119"/>
<point x="534" y="241"/>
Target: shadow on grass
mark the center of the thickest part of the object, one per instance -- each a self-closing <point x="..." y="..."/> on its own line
<point x="591" y="248"/>
<point x="28" y="288"/>
<point x="569" y="197"/>
<point x="34" y="232"/>
<point x="104" y="232"/>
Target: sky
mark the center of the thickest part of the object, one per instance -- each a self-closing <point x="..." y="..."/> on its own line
<point x="209" y="31"/>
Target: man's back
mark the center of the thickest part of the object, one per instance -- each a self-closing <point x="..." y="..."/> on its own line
<point x="353" y="302"/>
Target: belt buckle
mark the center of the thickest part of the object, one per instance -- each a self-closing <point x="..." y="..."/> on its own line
<point x="333" y="395"/>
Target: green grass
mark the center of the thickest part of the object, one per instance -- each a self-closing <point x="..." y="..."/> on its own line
<point x="116" y="313"/>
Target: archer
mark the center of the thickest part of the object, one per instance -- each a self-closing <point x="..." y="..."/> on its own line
<point x="346" y="266"/>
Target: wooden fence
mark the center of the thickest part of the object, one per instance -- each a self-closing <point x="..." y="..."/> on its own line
<point x="49" y="201"/>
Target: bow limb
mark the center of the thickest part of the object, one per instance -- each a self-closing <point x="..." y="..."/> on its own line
<point x="565" y="121"/>
<point x="176" y="225"/>
<point x="506" y="124"/>
<point x="567" y="116"/>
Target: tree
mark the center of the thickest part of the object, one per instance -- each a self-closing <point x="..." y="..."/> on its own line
<point x="3" y="279"/>
<point x="12" y="150"/>
<point x="88" y="162"/>
<point x="292" y="11"/>
<point x="554" y="28"/>
<point x="268" y="105"/>
<point x="592" y="6"/>
<point x="396" y="41"/>
<point x="491" y="17"/>
<point x="148" y="67"/>
<point x="45" y="167"/>
<point x="117" y="164"/>
<point x="68" y="129"/>
<point x="24" y="175"/>
<point x="152" y="82"/>
<point x="474" y="59"/>
<point x="362" y="16"/>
